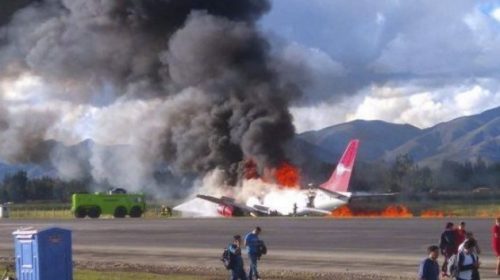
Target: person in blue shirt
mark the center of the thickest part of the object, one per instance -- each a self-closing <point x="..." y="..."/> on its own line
<point x="252" y="245"/>
<point x="237" y="269"/>
<point x="429" y="267"/>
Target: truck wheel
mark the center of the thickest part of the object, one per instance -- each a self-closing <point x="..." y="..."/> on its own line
<point x="120" y="212"/>
<point x="94" y="212"/>
<point x="135" y="212"/>
<point x="80" y="212"/>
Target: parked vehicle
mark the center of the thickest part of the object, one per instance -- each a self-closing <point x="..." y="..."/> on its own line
<point x="119" y="204"/>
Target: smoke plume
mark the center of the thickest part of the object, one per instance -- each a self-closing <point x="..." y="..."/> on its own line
<point x="179" y="86"/>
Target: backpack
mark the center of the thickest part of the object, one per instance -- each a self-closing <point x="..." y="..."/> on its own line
<point x="227" y="259"/>
<point x="453" y="268"/>
<point x="261" y="248"/>
<point x="453" y="265"/>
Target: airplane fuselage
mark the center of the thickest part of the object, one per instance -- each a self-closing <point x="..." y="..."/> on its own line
<point x="298" y="202"/>
<point x="327" y="202"/>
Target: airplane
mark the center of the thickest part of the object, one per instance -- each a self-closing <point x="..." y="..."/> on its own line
<point x="321" y="200"/>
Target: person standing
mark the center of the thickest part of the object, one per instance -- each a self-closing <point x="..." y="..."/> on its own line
<point x="448" y="246"/>
<point x="252" y="245"/>
<point x="237" y="269"/>
<point x="495" y="242"/>
<point x="461" y="234"/>
<point x="468" y="262"/>
<point x="474" y="250"/>
<point x="470" y="236"/>
<point x="429" y="267"/>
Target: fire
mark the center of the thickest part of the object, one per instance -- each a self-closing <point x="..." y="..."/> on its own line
<point x="393" y="211"/>
<point x="398" y="211"/>
<point x="287" y="175"/>
<point x="432" y="214"/>
<point x="250" y="170"/>
<point x="343" y="211"/>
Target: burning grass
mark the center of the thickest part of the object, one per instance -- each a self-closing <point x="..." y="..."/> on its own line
<point x="392" y="211"/>
<point x="404" y="211"/>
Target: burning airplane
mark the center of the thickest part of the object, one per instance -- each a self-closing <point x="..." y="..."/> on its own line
<point x="321" y="200"/>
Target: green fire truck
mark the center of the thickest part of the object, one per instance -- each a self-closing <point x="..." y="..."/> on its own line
<point x="116" y="203"/>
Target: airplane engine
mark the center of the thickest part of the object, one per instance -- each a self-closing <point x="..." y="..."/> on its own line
<point x="225" y="210"/>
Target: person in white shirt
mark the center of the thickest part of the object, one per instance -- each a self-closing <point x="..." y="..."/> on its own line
<point x="470" y="236"/>
<point x="467" y="262"/>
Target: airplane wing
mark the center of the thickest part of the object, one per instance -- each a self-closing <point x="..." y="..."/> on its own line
<point x="227" y="201"/>
<point x="369" y="194"/>
<point x="309" y="211"/>
<point x="213" y="199"/>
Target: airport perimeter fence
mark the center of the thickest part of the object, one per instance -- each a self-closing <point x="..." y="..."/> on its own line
<point x="26" y="211"/>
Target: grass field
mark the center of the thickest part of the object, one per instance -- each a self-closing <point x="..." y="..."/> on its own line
<point x="99" y="275"/>
<point x="470" y="210"/>
<point x="120" y="275"/>
<point x="59" y="211"/>
<point x="428" y="208"/>
<point x="455" y="208"/>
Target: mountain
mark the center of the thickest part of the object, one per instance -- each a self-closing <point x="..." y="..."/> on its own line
<point x="377" y="137"/>
<point x="465" y="138"/>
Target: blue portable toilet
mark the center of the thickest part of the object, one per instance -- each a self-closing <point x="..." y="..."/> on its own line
<point x="43" y="254"/>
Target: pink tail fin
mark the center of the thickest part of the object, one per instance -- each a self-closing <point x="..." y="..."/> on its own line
<point x="339" y="181"/>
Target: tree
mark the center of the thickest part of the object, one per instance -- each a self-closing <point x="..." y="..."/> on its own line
<point x="16" y="186"/>
<point x="400" y="169"/>
<point x="421" y="180"/>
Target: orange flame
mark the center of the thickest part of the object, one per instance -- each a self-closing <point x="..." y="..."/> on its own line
<point x="343" y="211"/>
<point x="287" y="175"/>
<point x="397" y="211"/>
<point x="393" y="211"/>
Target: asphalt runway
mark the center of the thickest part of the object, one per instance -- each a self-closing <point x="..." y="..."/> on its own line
<point x="393" y="246"/>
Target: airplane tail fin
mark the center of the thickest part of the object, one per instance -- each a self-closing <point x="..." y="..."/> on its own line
<point x="339" y="181"/>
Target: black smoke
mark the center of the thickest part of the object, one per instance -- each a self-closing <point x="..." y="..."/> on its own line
<point x="201" y="70"/>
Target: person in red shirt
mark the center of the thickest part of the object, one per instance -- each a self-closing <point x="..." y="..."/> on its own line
<point x="460" y="234"/>
<point x="495" y="242"/>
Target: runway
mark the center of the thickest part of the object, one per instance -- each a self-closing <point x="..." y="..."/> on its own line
<point x="307" y="244"/>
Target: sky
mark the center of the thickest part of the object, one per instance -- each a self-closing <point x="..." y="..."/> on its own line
<point x="416" y="62"/>
<point x="201" y="85"/>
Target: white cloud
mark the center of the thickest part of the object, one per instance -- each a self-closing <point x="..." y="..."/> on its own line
<point x="405" y="105"/>
<point x="426" y="108"/>
<point x="374" y="108"/>
<point x="476" y="97"/>
<point x="496" y="14"/>
<point x="321" y="115"/>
